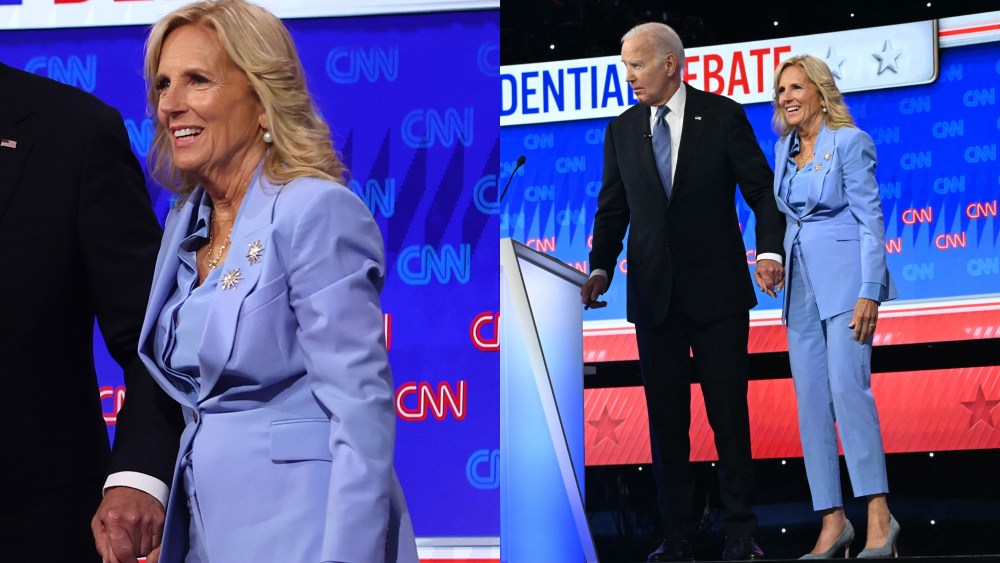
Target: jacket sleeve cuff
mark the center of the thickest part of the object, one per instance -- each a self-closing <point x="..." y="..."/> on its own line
<point x="149" y="485"/>
<point x="770" y="256"/>
<point x="872" y="290"/>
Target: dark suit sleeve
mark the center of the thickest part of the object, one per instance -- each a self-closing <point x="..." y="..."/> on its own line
<point x="119" y="237"/>
<point x="612" y="217"/>
<point x="756" y="180"/>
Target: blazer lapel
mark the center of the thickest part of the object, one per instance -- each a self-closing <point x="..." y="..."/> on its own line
<point x="17" y="140"/>
<point x="824" y="145"/>
<point x="694" y="124"/>
<point x="164" y="282"/>
<point x="239" y="275"/>
<point x="780" y="158"/>
<point x="643" y="139"/>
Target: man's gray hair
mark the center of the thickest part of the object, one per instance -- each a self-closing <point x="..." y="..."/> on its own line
<point x="665" y="40"/>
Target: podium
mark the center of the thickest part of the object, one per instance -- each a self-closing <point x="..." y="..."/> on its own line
<point x="542" y="516"/>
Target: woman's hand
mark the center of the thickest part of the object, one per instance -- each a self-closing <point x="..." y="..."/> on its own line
<point x="863" y="322"/>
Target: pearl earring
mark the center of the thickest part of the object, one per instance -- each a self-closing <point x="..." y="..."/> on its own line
<point x="269" y="138"/>
<point x="824" y="111"/>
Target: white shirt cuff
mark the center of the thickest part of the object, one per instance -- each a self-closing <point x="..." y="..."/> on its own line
<point x="598" y="272"/>
<point x="150" y="485"/>
<point x="770" y="256"/>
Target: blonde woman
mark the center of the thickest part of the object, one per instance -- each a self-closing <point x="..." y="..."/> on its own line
<point x="824" y="182"/>
<point x="264" y="320"/>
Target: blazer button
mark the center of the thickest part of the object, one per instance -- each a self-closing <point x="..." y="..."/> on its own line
<point x="798" y="223"/>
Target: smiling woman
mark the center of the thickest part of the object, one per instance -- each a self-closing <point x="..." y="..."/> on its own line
<point x="211" y="115"/>
<point x="835" y="248"/>
<point x="264" y="321"/>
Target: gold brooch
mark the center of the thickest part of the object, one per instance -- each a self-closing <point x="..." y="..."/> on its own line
<point x="231" y="278"/>
<point x="255" y="251"/>
<point x="818" y="167"/>
<point x="827" y="156"/>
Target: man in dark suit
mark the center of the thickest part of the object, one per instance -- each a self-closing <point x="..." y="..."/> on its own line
<point x="80" y="240"/>
<point x="670" y="175"/>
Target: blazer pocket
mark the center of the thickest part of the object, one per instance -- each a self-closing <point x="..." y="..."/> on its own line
<point x="264" y="294"/>
<point x="847" y="232"/>
<point x="301" y="440"/>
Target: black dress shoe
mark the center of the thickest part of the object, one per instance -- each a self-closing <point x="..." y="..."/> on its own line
<point x="673" y="549"/>
<point x="741" y="549"/>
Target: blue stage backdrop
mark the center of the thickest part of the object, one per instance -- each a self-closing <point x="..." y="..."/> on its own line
<point x="938" y="172"/>
<point x="412" y="103"/>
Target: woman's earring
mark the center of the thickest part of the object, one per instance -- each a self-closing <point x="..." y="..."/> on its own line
<point x="269" y="138"/>
<point x="824" y="111"/>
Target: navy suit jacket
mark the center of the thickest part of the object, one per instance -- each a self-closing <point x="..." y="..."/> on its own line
<point x="80" y="243"/>
<point x="691" y="244"/>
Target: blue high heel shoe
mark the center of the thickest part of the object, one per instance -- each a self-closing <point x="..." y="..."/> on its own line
<point x="887" y="550"/>
<point x="842" y="543"/>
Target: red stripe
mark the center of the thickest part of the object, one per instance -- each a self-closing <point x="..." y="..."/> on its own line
<point x="938" y="324"/>
<point x="920" y="411"/>
<point x="969" y="30"/>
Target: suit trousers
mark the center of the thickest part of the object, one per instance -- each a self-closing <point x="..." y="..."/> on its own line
<point x="720" y="363"/>
<point x="832" y="374"/>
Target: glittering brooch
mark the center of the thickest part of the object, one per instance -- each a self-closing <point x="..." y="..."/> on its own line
<point x="818" y="167"/>
<point x="231" y="278"/>
<point x="255" y="251"/>
<point x="827" y="156"/>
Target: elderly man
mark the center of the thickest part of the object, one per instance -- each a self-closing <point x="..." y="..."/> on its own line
<point x="671" y="166"/>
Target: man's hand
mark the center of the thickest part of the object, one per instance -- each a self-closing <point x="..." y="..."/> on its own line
<point x="594" y="288"/>
<point x="128" y="525"/>
<point x="770" y="277"/>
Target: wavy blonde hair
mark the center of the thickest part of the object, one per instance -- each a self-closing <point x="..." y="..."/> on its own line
<point x="837" y="113"/>
<point x="259" y="44"/>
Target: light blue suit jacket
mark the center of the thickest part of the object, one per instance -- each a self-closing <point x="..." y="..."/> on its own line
<point x="841" y="232"/>
<point x="292" y="428"/>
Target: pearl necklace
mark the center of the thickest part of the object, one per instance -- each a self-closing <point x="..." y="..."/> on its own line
<point x="804" y="157"/>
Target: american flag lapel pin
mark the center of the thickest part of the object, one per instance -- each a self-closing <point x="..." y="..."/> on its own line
<point x="8" y="143"/>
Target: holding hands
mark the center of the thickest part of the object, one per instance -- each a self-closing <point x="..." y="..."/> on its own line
<point x="770" y="277"/>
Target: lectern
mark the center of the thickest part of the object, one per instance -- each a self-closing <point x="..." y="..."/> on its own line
<point x="542" y="516"/>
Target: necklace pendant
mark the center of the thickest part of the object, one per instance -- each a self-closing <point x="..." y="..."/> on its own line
<point x="231" y="279"/>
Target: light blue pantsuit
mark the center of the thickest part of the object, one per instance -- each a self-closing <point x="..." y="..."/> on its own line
<point x="835" y="248"/>
<point x="832" y="375"/>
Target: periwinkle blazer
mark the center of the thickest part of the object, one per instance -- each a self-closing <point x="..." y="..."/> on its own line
<point x="291" y="431"/>
<point x="841" y="232"/>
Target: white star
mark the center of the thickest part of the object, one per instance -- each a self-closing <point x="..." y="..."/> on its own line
<point x="834" y="62"/>
<point x="887" y="58"/>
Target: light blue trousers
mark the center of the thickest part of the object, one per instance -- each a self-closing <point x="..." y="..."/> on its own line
<point x="197" y="552"/>
<point x="832" y="374"/>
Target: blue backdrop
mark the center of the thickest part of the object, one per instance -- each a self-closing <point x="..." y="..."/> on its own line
<point x="937" y="170"/>
<point x="412" y="101"/>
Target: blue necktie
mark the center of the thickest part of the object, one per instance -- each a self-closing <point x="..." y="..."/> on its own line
<point x="661" y="147"/>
